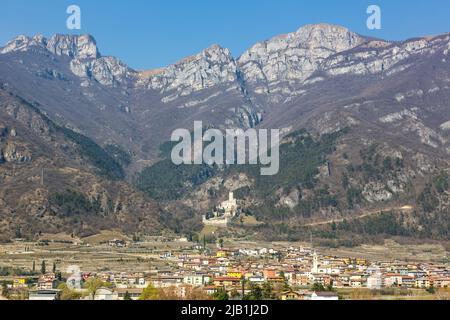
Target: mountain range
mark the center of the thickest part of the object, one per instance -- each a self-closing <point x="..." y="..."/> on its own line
<point x="366" y="125"/>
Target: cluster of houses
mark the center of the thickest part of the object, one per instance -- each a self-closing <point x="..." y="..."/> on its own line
<point x="295" y="269"/>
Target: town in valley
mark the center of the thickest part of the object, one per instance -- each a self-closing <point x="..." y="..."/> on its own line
<point x="112" y="266"/>
<point x="164" y="268"/>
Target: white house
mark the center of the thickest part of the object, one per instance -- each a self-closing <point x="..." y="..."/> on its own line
<point x="375" y="281"/>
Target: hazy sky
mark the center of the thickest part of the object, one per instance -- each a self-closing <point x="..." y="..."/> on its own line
<point x="152" y="33"/>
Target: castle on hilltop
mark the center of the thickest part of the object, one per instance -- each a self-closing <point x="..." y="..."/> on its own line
<point x="223" y="214"/>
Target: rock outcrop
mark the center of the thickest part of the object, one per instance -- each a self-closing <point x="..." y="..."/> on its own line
<point x="107" y="71"/>
<point x="213" y="66"/>
<point x="79" y="47"/>
<point x="17" y="153"/>
<point x="376" y="57"/>
<point x="86" y="61"/>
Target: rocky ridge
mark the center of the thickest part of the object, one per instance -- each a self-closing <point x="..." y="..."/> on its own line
<point x="279" y="71"/>
<point x="295" y="59"/>
<point x="292" y="57"/>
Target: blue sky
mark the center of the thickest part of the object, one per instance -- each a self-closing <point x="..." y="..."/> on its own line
<point x="152" y="33"/>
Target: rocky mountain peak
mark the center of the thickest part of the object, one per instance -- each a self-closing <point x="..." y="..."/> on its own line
<point x="86" y="62"/>
<point x="332" y="37"/>
<point x="216" y="53"/>
<point x="295" y="56"/>
<point x="74" y="46"/>
<point x="24" y="43"/>
<point x="212" y="66"/>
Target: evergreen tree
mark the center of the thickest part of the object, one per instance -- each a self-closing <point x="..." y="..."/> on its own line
<point x="221" y="294"/>
<point x="127" y="296"/>
<point x="267" y="291"/>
